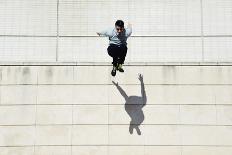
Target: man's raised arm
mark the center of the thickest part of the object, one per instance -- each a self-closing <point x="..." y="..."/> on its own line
<point x="129" y="29"/>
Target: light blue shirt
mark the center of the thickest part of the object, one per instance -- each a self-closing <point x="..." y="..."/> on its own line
<point x="115" y="37"/>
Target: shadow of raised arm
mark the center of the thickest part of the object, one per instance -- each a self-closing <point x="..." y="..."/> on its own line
<point x="143" y="92"/>
<point x="122" y="92"/>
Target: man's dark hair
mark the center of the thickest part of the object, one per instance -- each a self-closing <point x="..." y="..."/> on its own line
<point x="119" y="23"/>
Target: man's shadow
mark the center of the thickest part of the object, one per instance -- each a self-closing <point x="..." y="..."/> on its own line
<point x="134" y="105"/>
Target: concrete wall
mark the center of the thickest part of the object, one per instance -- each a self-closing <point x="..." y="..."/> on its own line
<point x="163" y="30"/>
<point x="66" y="110"/>
<point x="52" y="104"/>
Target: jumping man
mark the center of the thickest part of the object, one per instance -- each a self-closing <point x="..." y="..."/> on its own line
<point x="117" y="48"/>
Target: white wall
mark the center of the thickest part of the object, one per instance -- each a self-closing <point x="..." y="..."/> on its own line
<point x="163" y="30"/>
<point x="48" y="106"/>
<point x="65" y="110"/>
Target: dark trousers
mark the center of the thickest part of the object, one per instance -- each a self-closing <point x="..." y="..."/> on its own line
<point x="118" y="53"/>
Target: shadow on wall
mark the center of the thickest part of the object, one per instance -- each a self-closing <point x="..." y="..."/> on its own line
<point x="134" y="105"/>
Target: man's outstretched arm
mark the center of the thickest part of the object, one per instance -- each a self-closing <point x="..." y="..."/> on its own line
<point x="104" y="33"/>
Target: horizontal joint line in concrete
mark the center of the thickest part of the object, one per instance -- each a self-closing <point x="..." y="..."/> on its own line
<point x="112" y="145"/>
<point x="34" y="36"/>
<point x="110" y="104"/>
<point x="87" y="84"/>
<point x="135" y="36"/>
<point x="20" y="125"/>
<point x="158" y="36"/>
<point x="133" y="64"/>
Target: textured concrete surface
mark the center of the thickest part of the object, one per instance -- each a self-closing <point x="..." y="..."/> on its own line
<point x="56" y="91"/>
<point x="163" y="30"/>
<point x="62" y="110"/>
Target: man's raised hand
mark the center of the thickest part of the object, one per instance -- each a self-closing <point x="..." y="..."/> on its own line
<point x="129" y="25"/>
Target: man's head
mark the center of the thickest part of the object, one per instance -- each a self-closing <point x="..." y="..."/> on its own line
<point x="119" y="25"/>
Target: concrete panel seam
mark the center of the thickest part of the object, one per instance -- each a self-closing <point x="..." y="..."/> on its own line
<point x="202" y="32"/>
<point x="106" y="124"/>
<point x="79" y="104"/>
<point x="57" y="29"/>
<point x="112" y="145"/>
<point x="135" y="36"/>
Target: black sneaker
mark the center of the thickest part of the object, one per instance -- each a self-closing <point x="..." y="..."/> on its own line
<point x="113" y="72"/>
<point x="119" y="68"/>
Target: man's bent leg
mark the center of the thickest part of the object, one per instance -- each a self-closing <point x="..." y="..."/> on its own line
<point x="123" y="51"/>
<point x="112" y="51"/>
<point x="122" y="54"/>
